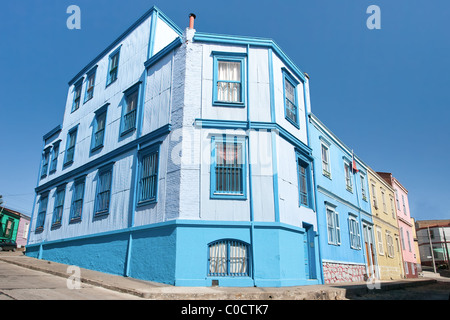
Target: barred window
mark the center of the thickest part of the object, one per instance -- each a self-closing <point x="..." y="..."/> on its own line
<point x="228" y="258"/>
<point x="102" y="200"/>
<point x="148" y="181"/>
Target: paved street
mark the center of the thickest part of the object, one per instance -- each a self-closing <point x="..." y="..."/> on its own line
<point x="435" y="291"/>
<point x="19" y="283"/>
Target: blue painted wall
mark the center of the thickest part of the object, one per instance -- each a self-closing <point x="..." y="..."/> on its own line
<point x="333" y="190"/>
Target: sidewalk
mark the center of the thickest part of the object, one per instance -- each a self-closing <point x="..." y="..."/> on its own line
<point x="158" y="291"/>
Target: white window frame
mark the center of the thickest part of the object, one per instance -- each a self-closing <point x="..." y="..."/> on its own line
<point x="380" y="241"/>
<point x="355" y="234"/>
<point x="326" y="171"/>
<point x="333" y="226"/>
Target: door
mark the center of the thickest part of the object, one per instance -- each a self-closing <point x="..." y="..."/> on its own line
<point x="309" y="252"/>
<point x="368" y="243"/>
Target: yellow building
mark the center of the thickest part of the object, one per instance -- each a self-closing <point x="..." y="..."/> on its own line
<point x="389" y="257"/>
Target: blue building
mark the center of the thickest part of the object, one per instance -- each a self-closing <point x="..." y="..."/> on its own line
<point x="343" y="208"/>
<point x="183" y="158"/>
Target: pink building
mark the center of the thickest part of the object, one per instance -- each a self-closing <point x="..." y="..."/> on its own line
<point x="22" y="231"/>
<point x="405" y="226"/>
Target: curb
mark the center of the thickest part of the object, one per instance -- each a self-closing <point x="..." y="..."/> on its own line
<point x="156" y="291"/>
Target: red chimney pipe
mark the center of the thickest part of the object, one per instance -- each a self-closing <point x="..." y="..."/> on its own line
<point x="191" y="20"/>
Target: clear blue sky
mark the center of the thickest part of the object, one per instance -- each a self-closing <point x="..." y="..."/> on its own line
<point x="396" y="78"/>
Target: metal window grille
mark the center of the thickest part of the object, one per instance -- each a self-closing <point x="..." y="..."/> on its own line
<point x="229" y="168"/>
<point x="228" y="258"/>
<point x="149" y="176"/>
<point x="129" y="118"/>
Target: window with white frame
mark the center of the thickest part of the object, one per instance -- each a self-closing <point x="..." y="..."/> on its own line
<point x="402" y="238"/>
<point x="380" y="241"/>
<point x="348" y="176"/>
<point x="228" y="258"/>
<point x="228" y="86"/>
<point x="326" y="161"/>
<point x="333" y="226"/>
<point x="409" y="240"/>
<point x="404" y="206"/>
<point x="59" y="206"/>
<point x="392" y="207"/>
<point x="390" y="245"/>
<point x="383" y="198"/>
<point x="374" y="197"/>
<point x="355" y="236"/>
<point x="363" y="187"/>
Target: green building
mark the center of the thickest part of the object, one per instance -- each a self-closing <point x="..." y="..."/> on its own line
<point x="9" y="224"/>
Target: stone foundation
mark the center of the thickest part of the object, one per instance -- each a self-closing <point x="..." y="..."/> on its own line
<point x="337" y="272"/>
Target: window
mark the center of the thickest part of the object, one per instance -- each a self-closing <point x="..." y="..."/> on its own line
<point x="113" y="68"/>
<point x="98" y="130"/>
<point x="392" y="207"/>
<point x="304" y="178"/>
<point x="128" y="122"/>
<point x="398" y="201"/>
<point x="90" y="83"/>
<point x="9" y="228"/>
<point x="77" y="200"/>
<point x="102" y="199"/>
<point x="45" y="160"/>
<point x="55" y="153"/>
<point x="363" y="187"/>
<point x="384" y="201"/>
<point x="380" y="242"/>
<point x="228" y="79"/>
<point x="77" y="95"/>
<point x="148" y="177"/>
<point x="409" y="240"/>
<point x="26" y="228"/>
<point x="402" y="238"/>
<point x="70" y="147"/>
<point x="59" y="206"/>
<point x="390" y="244"/>
<point x="334" y="232"/>
<point x="374" y="194"/>
<point x="290" y="99"/>
<point x="326" y="161"/>
<point x="404" y="206"/>
<point x="228" y="258"/>
<point x="228" y="178"/>
<point x="348" y="176"/>
<point x="41" y="213"/>
<point x="355" y="237"/>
